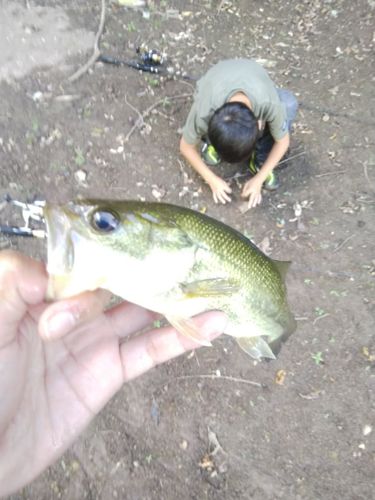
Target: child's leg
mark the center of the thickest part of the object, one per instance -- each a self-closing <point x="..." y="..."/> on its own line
<point x="264" y="144"/>
<point x="291" y="105"/>
<point x="263" y="147"/>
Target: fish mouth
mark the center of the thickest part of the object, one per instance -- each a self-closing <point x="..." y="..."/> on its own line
<point x="72" y="256"/>
<point x="60" y="251"/>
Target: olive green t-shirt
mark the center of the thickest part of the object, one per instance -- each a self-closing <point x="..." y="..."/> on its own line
<point x="224" y="80"/>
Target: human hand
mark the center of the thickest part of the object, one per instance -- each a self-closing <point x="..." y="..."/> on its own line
<point x="60" y="363"/>
<point x="253" y="190"/>
<point x="220" y="190"/>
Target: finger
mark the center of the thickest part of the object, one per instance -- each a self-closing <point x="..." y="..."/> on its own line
<point x="23" y="282"/>
<point x="64" y="316"/>
<point x="227" y="197"/>
<point x="251" y="200"/>
<point x="127" y="318"/>
<point x="154" y="347"/>
<point x="220" y="197"/>
<point x="215" y="197"/>
<point x="245" y="191"/>
<point x="227" y="188"/>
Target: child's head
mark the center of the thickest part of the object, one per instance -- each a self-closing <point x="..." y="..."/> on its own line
<point x="233" y="131"/>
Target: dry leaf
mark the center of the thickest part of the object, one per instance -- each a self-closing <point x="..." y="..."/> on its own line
<point x="280" y="377"/>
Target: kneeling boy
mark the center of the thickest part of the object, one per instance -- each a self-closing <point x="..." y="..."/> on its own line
<point x="240" y="115"/>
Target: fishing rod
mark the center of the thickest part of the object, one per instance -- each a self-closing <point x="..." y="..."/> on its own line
<point x="149" y="60"/>
<point x="30" y="212"/>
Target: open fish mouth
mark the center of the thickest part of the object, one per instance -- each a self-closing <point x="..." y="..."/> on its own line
<point x="67" y="274"/>
<point x="72" y="260"/>
<point x="60" y="251"/>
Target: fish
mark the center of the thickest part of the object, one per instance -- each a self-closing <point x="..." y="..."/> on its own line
<point x="172" y="260"/>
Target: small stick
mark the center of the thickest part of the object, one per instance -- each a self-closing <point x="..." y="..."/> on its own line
<point x="366" y="174"/>
<point x="313" y="395"/>
<point x="320" y="317"/>
<point x="213" y="441"/>
<point x="222" y="377"/>
<point x="133" y="107"/>
<point x="331" y="173"/>
<point x="147" y="111"/>
<point x="343" y="243"/>
<point x="291" y="158"/>
<point x="221" y="5"/>
<point x="83" y="69"/>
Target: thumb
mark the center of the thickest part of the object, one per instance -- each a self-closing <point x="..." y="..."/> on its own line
<point x="66" y="315"/>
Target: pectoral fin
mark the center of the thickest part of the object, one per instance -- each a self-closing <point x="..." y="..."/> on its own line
<point x="215" y="287"/>
<point x="255" y="347"/>
<point x="187" y="328"/>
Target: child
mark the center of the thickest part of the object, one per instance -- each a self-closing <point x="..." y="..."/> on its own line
<point x="240" y="115"/>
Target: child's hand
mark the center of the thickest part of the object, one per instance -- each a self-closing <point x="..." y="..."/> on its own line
<point x="253" y="190"/>
<point x="220" y="190"/>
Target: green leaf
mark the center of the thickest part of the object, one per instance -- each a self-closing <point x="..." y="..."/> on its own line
<point x="318" y="358"/>
<point x="79" y="158"/>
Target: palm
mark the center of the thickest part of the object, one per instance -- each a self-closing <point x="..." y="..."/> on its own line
<point x="50" y="390"/>
<point x="59" y="387"/>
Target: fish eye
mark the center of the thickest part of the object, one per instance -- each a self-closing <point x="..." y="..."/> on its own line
<point x="105" y="221"/>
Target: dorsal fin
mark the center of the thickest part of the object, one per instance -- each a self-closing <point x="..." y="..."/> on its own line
<point x="282" y="266"/>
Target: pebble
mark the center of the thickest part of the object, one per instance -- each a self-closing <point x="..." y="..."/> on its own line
<point x="367" y="429"/>
<point x="80" y="176"/>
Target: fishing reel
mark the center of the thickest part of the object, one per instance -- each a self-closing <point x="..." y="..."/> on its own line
<point x="149" y="60"/>
<point x="150" y="57"/>
<point x="32" y="213"/>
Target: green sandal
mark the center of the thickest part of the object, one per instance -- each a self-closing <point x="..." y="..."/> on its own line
<point x="210" y="155"/>
<point x="272" y="181"/>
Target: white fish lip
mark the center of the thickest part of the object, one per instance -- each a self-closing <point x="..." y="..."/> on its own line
<point x="60" y="249"/>
<point x="71" y="263"/>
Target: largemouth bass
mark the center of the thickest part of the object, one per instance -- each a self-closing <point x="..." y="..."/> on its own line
<point x="171" y="260"/>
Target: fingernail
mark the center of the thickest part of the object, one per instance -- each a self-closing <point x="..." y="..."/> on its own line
<point x="59" y="324"/>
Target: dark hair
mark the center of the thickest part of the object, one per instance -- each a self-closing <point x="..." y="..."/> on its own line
<point x="233" y="131"/>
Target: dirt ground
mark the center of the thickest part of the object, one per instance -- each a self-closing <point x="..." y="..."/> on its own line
<point x="311" y="436"/>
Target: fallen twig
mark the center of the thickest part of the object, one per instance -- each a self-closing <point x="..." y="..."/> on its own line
<point x="291" y="158"/>
<point x="366" y="175"/>
<point x="320" y="317"/>
<point x="312" y="396"/>
<point x="214" y="443"/>
<point x="221" y="5"/>
<point x="138" y="123"/>
<point x="83" y="69"/>
<point x="221" y="377"/>
<point x="343" y="243"/>
<point x="147" y="111"/>
<point x="332" y="173"/>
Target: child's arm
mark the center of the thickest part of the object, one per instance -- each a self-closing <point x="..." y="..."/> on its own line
<point x="253" y="187"/>
<point x="220" y="188"/>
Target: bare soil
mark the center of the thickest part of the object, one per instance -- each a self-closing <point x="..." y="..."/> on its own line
<point x="175" y="433"/>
